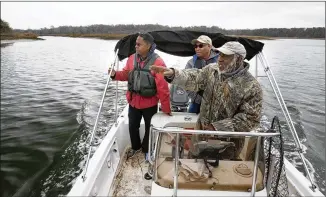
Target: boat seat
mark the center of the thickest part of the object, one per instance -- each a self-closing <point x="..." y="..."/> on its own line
<point x="224" y="177"/>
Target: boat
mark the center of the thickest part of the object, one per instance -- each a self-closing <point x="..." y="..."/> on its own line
<point x="262" y="170"/>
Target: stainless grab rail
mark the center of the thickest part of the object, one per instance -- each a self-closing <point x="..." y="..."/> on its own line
<point x="219" y="133"/>
<point x="256" y="67"/>
<point x="116" y="91"/>
<point x="286" y="113"/>
<point x="176" y="165"/>
<point x="97" y="117"/>
<point x="253" y="186"/>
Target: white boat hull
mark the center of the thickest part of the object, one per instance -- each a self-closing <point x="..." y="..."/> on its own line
<point x="109" y="157"/>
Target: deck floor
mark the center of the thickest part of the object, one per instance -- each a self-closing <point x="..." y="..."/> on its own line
<point x="130" y="178"/>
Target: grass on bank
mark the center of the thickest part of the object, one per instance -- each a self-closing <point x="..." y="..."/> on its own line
<point x="255" y="37"/>
<point x="99" y="36"/>
<point x="17" y="36"/>
<point x="109" y="36"/>
<point x="119" y="36"/>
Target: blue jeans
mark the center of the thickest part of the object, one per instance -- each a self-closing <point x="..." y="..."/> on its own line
<point x="194" y="108"/>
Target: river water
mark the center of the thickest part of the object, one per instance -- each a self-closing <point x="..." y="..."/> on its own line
<point x="51" y="90"/>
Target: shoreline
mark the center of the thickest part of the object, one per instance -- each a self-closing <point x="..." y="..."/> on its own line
<point x="6" y="44"/>
<point x="119" y="36"/>
<point x="19" y="36"/>
<point x="300" y="38"/>
<point x="32" y="36"/>
<point x="97" y="36"/>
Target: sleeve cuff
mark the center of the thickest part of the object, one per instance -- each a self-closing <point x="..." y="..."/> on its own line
<point x="170" y="79"/>
<point x="223" y="125"/>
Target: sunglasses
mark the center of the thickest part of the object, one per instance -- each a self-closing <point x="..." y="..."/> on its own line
<point x="224" y="55"/>
<point x="199" y="45"/>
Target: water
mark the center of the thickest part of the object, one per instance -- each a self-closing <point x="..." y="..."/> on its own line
<point x="50" y="94"/>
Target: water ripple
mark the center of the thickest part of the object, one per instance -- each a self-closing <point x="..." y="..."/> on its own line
<point x="50" y="94"/>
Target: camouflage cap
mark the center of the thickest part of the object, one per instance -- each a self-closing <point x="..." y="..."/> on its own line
<point x="233" y="47"/>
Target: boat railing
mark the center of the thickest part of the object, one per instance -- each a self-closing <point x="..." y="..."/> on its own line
<point x="275" y="88"/>
<point x="178" y="131"/>
<point x="115" y="64"/>
<point x="285" y="111"/>
<point x="279" y="97"/>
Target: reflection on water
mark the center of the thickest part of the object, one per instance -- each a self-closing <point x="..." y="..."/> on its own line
<point x="50" y="94"/>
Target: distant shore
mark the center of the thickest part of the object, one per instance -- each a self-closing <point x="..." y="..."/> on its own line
<point x="119" y="36"/>
<point x="254" y="37"/>
<point x="6" y="44"/>
<point x="33" y="36"/>
<point x="98" y="36"/>
<point x="18" y="36"/>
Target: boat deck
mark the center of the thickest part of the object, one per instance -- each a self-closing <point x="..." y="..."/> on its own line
<point x="130" y="179"/>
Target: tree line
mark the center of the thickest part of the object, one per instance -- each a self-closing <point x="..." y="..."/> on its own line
<point x="315" y="32"/>
<point x="5" y="27"/>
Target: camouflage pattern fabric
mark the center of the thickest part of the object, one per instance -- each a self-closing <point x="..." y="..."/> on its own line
<point x="195" y="97"/>
<point x="231" y="102"/>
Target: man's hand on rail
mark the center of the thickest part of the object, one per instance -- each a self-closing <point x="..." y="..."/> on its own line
<point x="113" y="72"/>
<point x="208" y="127"/>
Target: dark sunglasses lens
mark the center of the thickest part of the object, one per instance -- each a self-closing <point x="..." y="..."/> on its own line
<point x="199" y="45"/>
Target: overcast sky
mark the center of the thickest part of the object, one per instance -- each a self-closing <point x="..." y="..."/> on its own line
<point x="228" y="15"/>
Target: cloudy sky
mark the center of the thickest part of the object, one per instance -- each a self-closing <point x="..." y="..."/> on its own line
<point x="228" y="15"/>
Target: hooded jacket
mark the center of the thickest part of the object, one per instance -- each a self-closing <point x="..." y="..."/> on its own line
<point x="231" y="101"/>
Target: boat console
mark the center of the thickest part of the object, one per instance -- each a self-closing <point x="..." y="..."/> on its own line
<point x="194" y="172"/>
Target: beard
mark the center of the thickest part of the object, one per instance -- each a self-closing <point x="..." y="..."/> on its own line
<point x="221" y="71"/>
<point x="235" y="63"/>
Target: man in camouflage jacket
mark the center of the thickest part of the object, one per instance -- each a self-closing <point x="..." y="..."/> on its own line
<point x="232" y="98"/>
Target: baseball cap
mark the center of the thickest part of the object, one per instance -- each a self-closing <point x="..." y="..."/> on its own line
<point x="233" y="47"/>
<point x="202" y="39"/>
